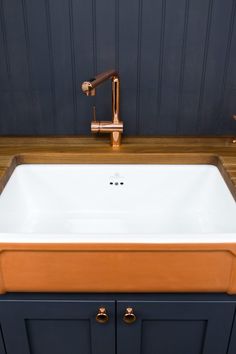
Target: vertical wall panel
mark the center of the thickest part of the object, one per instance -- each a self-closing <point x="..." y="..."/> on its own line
<point x="228" y="99"/>
<point x="196" y="46"/>
<point x="176" y="60"/>
<point x="61" y="66"/>
<point x="171" y="66"/>
<point x="217" y="58"/>
<point x="129" y="19"/>
<point x="152" y="21"/>
<point x="104" y="18"/>
<point x="6" y="98"/>
<point x="15" y="53"/>
<point x="41" y="75"/>
<point x="82" y="65"/>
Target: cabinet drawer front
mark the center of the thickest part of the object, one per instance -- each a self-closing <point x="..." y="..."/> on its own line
<point x="61" y="327"/>
<point x="175" y="327"/>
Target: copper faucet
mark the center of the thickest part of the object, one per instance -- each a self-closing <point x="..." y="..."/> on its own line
<point x="114" y="127"/>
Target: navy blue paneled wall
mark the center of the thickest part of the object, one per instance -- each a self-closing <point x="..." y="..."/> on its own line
<point x="177" y="62"/>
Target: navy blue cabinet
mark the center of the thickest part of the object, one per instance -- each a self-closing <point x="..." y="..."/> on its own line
<point x="56" y="327"/>
<point x="232" y="346"/>
<point x="175" y="327"/>
<point x="2" y="347"/>
<point x="154" y="323"/>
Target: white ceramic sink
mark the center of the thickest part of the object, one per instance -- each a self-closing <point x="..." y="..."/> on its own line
<point x="117" y="204"/>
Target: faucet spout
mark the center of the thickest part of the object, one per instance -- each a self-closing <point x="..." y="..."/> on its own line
<point x="115" y="127"/>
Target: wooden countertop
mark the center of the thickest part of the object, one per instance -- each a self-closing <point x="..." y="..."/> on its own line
<point x="220" y="151"/>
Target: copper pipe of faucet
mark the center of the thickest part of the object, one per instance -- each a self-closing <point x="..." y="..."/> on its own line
<point x="115" y="127"/>
<point x="117" y="124"/>
<point x="116" y="99"/>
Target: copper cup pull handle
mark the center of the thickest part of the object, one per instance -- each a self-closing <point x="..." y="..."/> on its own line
<point x="102" y="316"/>
<point x="129" y="316"/>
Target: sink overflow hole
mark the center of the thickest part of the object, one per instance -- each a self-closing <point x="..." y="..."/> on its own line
<point x="116" y="183"/>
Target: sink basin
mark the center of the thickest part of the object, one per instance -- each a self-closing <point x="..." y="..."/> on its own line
<point x="117" y="204"/>
<point x="117" y="228"/>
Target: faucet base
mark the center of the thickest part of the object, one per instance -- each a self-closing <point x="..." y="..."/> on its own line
<point x="115" y="139"/>
<point x="115" y="129"/>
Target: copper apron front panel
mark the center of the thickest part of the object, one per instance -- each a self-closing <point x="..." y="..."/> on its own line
<point x="118" y="268"/>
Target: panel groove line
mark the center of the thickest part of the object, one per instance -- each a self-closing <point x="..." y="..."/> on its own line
<point x="204" y="335"/>
<point x="30" y="349"/>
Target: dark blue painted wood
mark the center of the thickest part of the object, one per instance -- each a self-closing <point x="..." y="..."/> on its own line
<point x="150" y="80"/>
<point x="45" y="327"/>
<point x="227" y="101"/>
<point x="83" y="51"/>
<point x="105" y="39"/>
<point x="2" y="346"/>
<point x="176" y="60"/>
<point x="16" y="96"/>
<point x="232" y="345"/>
<point x="42" y="116"/>
<point x="167" y="105"/>
<point x="216" y="64"/>
<point x="128" y="52"/>
<point x="194" y="60"/>
<point x="59" y="14"/>
<point x="175" y="327"/>
<point x="176" y="297"/>
<point x="166" y="323"/>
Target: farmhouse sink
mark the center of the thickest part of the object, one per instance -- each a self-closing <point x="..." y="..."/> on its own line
<point x="117" y="204"/>
<point x="117" y="228"/>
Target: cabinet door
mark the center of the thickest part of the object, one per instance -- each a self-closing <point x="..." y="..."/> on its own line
<point x="60" y="327"/>
<point x="175" y="327"/>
